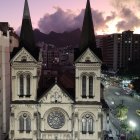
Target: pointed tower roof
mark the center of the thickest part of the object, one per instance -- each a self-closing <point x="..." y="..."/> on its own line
<point x="87" y="39"/>
<point x="26" y="39"/>
<point x="87" y="35"/>
<point x="26" y="13"/>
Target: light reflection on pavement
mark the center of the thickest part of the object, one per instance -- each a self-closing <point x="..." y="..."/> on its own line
<point x="130" y="102"/>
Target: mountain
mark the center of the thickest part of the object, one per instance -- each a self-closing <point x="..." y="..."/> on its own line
<point x="59" y="39"/>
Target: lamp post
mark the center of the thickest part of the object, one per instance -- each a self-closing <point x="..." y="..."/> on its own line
<point x="132" y="125"/>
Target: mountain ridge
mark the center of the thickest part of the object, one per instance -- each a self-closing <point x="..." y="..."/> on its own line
<point x="58" y="39"/>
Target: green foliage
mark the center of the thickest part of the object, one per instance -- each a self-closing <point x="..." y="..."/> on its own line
<point x="135" y="138"/>
<point x="138" y="112"/>
<point x="122" y="112"/>
<point x="125" y="127"/>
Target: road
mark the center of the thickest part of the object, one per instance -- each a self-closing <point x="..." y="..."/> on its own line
<point x="132" y="104"/>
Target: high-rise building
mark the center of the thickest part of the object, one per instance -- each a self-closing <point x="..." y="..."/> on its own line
<point x="4" y="79"/>
<point x="70" y="105"/>
<point x="130" y="48"/>
<point x="119" y="49"/>
<point x="110" y="45"/>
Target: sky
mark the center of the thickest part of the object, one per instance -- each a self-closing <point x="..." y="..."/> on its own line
<point x="109" y="16"/>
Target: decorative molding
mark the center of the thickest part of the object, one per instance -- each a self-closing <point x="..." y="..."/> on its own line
<point x="99" y="133"/>
<point x="98" y="78"/>
<point x="12" y="132"/>
<point x="76" y="114"/>
<point x="12" y="114"/>
<point x="100" y="114"/>
<point x="35" y="114"/>
<point x="13" y="77"/>
<point x="34" y="77"/>
<point x="35" y="132"/>
<point x="76" y="134"/>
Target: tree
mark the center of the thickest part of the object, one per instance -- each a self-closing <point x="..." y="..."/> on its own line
<point x="135" y="138"/>
<point x="125" y="127"/>
<point x="121" y="112"/>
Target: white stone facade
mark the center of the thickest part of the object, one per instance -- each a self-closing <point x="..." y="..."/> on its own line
<point x="4" y="83"/>
<point x="55" y="115"/>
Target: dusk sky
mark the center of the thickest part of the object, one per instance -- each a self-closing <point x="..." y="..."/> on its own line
<point x="109" y="16"/>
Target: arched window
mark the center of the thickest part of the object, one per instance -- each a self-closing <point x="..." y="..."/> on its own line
<point x="28" y="124"/>
<point x="21" y="123"/>
<point x="90" y="86"/>
<point x="28" y="82"/>
<point x="24" y="123"/>
<point x="24" y="85"/>
<point x="21" y="78"/>
<point x="84" y="86"/>
<point x="87" y="124"/>
<point x="84" y="126"/>
<point x="90" y="125"/>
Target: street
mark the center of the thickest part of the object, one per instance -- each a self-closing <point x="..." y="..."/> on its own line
<point x="115" y="96"/>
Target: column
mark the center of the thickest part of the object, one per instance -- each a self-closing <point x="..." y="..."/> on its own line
<point x="25" y="83"/>
<point x="87" y="86"/>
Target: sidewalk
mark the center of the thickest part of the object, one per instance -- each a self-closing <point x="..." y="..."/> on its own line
<point x="114" y="131"/>
<point x="114" y="127"/>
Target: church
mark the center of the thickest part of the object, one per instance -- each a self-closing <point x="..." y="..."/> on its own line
<point x="59" y="111"/>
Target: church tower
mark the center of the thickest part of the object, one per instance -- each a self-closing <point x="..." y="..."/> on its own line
<point x="25" y="73"/>
<point x="87" y="74"/>
<point x="69" y="107"/>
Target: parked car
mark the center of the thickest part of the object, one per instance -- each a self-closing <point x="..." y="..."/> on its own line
<point x="110" y="136"/>
<point x="117" y="93"/>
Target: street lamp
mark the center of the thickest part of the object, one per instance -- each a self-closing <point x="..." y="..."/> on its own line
<point x="132" y="125"/>
<point x="112" y="102"/>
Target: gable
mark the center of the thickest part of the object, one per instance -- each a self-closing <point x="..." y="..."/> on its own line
<point x="22" y="56"/>
<point x="88" y="56"/>
<point x="56" y="95"/>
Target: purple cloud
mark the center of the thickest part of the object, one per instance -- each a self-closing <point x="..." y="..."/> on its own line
<point x="61" y="21"/>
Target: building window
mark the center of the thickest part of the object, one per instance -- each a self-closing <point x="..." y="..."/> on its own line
<point x="28" y="84"/>
<point x="91" y="87"/>
<point x="84" y="86"/>
<point x="84" y="125"/>
<point x="21" y="85"/>
<point x="24" y="85"/>
<point x="87" y="124"/>
<point x="24" y="123"/>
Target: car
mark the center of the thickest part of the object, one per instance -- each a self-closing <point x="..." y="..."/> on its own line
<point x="110" y="137"/>
<point x="117" y="93"/>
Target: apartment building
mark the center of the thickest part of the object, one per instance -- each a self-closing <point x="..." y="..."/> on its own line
<point x="4" y="79"/>
<point x="119" y="49"/>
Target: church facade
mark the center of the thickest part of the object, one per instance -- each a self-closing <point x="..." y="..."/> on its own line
<point x="57" y="113"/>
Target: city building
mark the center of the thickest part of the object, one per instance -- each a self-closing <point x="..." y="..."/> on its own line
<point x="4" y="80"/>
<point x="14" y="40"/>
<point x="110" y="45"/>
<point x="52" y="55"/>
<point x="130" y="48"/>
<point x="70" y="106"/>
<point x="119" y="49"/>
